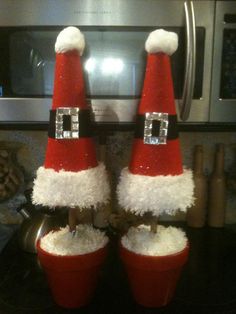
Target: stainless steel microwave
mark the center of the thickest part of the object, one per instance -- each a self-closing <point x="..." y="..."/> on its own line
<point x="114" y="60"/>
<point x="223" y="95"/>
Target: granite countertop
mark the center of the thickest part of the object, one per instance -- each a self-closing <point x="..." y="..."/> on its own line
<point x="207" y="284"/>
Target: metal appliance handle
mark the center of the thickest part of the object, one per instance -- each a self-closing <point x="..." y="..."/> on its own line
<point x="190" y="62"/>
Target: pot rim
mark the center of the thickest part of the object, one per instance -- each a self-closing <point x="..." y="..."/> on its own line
<point x="39" y="248"/>
<point x="153" y="257"/>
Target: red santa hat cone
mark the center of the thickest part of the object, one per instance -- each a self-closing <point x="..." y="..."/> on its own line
<point x="71" y="175"/>
<point x="155" y="179"/>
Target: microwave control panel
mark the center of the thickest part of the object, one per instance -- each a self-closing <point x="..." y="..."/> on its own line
<point x="228" y="65"/>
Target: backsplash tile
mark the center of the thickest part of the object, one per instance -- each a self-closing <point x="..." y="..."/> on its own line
<point x="32" y="145"/>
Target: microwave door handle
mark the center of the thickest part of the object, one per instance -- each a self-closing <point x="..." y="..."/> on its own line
<point x="190" y="62"/>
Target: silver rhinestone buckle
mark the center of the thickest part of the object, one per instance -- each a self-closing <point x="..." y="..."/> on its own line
<point x="148" y="128"/>
<point x="74" y="123"/>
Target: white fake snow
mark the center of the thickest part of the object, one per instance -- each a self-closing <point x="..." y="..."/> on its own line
<point x="86" y="240"/>
<point x="167" y="240"/>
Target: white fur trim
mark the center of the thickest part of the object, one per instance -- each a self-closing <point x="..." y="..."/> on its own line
<point x="162" y="41"/>
<point x="82" y="189"/>
<point x="158" y="194"/>
<point x="70" y="38"/>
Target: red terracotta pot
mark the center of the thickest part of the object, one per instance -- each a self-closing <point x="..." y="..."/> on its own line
<point x="153" y="279"/>
<point x="72" y="279"/>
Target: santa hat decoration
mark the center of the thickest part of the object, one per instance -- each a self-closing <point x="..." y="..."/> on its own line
<point x="155" y="180"/>
<point x="71" y="175"/>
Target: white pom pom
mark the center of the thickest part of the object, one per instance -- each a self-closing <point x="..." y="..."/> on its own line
<point x="70" y="38"/>
<point x="162" y="41"/>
